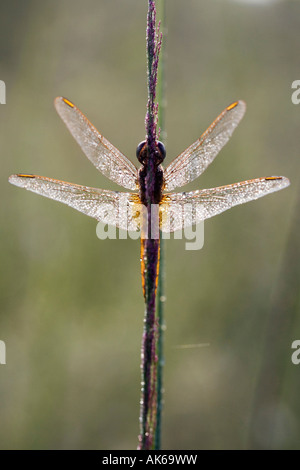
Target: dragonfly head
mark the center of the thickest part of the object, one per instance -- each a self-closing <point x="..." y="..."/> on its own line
<point x="142" y="154"/>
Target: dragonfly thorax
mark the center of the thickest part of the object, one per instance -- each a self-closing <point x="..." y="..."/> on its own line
<point x="158" y="179"/>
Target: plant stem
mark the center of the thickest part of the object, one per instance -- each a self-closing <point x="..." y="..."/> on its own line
<point x="161" y="279"/>
<point x="150" y="248"/>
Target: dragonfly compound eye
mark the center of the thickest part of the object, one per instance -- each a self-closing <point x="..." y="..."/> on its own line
<point x="161" y="151"/>
<point x="140" y="151"/>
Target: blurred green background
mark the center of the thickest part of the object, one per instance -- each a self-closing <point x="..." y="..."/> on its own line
<point x="72" y="306"/>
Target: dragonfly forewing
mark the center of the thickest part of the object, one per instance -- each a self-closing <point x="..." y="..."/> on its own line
<point x="195" y="159"/>
<point x="106" y="158"/>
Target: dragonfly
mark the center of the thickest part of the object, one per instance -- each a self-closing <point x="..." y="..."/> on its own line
<point x="125" y="209"/>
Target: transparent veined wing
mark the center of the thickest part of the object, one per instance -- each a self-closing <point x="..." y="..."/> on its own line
<point x="116" y="208"/>
<point x="179" y="210"/>
<point x="106" y="158"/>
<point x="195" y="159"/>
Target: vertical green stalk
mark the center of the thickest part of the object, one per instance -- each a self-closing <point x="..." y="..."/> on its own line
<point x="161" y="279"/>
<point x="150" y="245"/>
